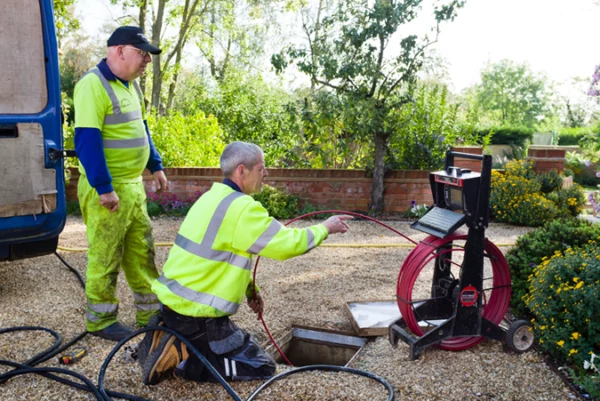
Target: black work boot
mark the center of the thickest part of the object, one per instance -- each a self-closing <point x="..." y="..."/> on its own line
<point x="151" y="339"/>
<point x="115" y="332"/>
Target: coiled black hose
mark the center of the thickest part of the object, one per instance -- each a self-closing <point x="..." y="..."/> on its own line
<point x="102" y="394"/>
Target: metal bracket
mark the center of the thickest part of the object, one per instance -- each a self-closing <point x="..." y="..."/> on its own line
<point x="56" y="154"/>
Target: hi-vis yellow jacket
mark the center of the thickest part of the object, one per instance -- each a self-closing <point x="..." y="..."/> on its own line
<point x="208" y="270"/>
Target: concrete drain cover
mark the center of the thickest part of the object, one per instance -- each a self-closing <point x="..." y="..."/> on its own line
<point x="312" y="346"/>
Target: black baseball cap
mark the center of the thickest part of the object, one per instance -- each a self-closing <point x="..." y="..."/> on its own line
<point x="134" y="36"/>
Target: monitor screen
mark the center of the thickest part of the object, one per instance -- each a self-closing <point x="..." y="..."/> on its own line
<point x="454" y="197"/>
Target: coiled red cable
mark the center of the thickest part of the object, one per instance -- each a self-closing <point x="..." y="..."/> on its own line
<point x="494" y="308"/>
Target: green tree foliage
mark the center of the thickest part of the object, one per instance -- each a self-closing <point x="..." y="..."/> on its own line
<point x="248" y="109"/>
<point x="426" y="127"/>
<point x="513" y="94"/>
<point x="349" y="53"/>
<point x="194" y="140"/>
<point x="324" y="141"/>
<point x="64" y="19"/>
<point x="78" y="56"/>
<point x="278" y="203"/>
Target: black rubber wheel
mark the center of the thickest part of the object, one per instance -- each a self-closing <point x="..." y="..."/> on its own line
<point x="519" y="336"/>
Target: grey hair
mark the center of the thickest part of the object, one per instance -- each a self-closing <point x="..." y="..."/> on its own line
<point x="237" y="153"/>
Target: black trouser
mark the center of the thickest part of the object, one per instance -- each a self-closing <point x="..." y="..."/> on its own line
<point x="234" y="353"/>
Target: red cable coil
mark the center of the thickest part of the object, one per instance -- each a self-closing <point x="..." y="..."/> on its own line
<point x="494" y="309"/>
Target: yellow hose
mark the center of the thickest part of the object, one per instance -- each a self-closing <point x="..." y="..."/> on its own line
<point x="62" y="248"/>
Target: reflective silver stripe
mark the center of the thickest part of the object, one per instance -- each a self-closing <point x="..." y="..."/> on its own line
<point x="91" y="317"/>
<point x="218" y="217"/>
<point x="233" y="369"/>
<point x="311" y="240"/>
<point x="265" y="237"/>
<point x="206" y="252"/>
<point x="103" y="308"/>
<point x="204" y="249"/>
<point x="147" y="307"/>
<point x="199" y="297"/>
<point x="145" y="298"/>
<point x="139" y="91"/>
<point x="109" y="90"/>
<point x="226" y="366"/>
<point x="125" y="143"/>
<point x="112" y="119"/>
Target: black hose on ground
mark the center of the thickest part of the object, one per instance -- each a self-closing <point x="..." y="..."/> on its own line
<point x="105" y="395"/>
<point x="326" y="368"/>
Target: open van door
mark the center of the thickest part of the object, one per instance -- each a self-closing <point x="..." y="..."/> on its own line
<point x="32" y="194"/>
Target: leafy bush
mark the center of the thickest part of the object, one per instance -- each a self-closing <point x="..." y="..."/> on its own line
<point x="531" y="248"/>
<point x="415" y="210"/>
<point x="187" y="140"/>
<point x="520" y="168"/>
<point x="73" y="208"/>
<point x="168" y="204"/>
<point x="423" y="129"/>
<point x="278" y="203"/>
<point x="550" y="181"/>
<point x="516" y="199"/>
<point x="571" y="200"/>
<point x="508" y="134"/>
<point x="572" y="136"/>
<point x="583" y="168"/>
<point x="563" y="296"/>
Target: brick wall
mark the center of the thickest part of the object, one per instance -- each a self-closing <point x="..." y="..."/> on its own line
<point x="335" y="189"/>
<point x="473" y="165"/>
<point x="547" y="158"/>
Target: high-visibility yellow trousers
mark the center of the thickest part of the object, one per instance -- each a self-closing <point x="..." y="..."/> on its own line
<point x="122" y="239"/>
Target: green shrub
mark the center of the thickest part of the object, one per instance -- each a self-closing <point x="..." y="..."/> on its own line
<point x="563" y="296"/>
<point x="520" y="168"/>
<point x="278" y="203"/>
<point x="516" y="200"/>
<point x="555" y="235"/>
<point x="572" y="136"/>
<point x="73" y="208"/>
<point x="550" y="181"/>
<point x="169" y="204"/>
<point x="570" y="201"/>
<point x="584" y="169"/>
<point x="187" y="140"/>
<point x="507" y="134"/>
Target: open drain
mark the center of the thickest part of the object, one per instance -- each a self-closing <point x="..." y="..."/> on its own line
<point x="305" y="346"/>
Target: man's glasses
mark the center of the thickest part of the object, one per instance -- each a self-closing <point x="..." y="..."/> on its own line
<point x="142" y="53"/>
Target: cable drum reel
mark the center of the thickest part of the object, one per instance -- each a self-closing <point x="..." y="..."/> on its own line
<point x="453" y="289"/>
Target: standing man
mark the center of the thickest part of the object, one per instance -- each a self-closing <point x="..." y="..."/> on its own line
<point x="207" y="275"/>
<point x="114" y="147"/>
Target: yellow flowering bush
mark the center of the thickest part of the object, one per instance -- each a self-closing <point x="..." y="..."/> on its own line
<point x="563" y="297"/>
<point x="531" y="249"/>
<point x="522" y="197"/>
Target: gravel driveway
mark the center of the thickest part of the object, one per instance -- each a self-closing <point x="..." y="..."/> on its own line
<point x="309" y="290"/>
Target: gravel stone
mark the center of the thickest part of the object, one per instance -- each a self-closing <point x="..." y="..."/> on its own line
<point x="309" y="290"/>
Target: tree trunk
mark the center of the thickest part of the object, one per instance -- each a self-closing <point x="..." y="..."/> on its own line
<point x="142" y="22"/>
<point x="156" y="66"/>
<point x="377" y="202"/>
<point x="174" y="80"/>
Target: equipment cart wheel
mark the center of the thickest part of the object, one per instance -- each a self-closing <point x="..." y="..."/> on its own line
<point x="519" y="336"/>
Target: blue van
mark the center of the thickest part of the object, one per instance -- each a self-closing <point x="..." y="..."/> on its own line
<point x="32" y="190"/>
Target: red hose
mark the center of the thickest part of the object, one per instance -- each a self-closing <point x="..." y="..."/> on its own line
<point x="302" y="217"/>
<point x="494" y="308"/>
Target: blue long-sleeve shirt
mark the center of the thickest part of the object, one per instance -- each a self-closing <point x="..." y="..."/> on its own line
<point x="90" y="150"/>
